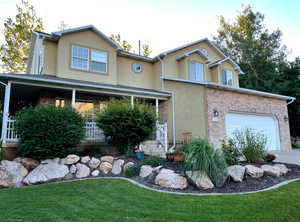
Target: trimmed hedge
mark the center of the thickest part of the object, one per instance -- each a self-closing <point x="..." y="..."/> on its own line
<point x="48" y="132"/>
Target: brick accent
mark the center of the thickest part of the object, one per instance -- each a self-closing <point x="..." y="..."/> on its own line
<point x="226" y="101"/>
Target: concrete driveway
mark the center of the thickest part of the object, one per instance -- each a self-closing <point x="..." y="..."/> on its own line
<point x="292" y="157"/>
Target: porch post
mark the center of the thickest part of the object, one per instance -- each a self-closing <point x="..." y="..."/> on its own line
<point x="156" y="107"/>
<point x="5" y="111"/>
<point x="157" y="122"/>
<point x="132" y="101"/>
<point x="73" y="98"/>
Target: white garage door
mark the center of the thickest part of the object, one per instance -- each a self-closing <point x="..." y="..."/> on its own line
<point x="265" y="124"/>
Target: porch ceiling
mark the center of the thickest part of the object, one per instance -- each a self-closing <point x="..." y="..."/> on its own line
<point x="51" y="81"/>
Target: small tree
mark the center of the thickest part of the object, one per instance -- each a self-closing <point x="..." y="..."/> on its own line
<point x="47" y="131"/>
<point x="125" y="126"/>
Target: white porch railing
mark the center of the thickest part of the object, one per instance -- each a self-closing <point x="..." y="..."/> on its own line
<point x="11" y="135"/>
<point x="93" y="133"/>
<point x="162" y="134"/>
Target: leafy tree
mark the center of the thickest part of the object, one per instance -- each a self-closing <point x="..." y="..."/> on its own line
<point x="257" y="50"/>
<point x="123" y="43"/>
<point x="146" y="50"/>
<point x="17" y="33"/>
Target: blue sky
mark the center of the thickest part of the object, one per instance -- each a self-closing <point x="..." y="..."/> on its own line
<point x="165" y="24"/>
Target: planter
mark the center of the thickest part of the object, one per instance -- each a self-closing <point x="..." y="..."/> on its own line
<point x="178" y="157"/>
<point x="139" y="155"/>
<point x="170" y="157"/>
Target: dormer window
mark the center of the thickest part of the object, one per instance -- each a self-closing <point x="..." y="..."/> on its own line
<point x="89" y="59"/>
<point x="196" y="71"/>
<point x="227" y="77"/>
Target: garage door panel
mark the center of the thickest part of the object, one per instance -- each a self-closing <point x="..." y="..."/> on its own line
<point x="264" y="124"/>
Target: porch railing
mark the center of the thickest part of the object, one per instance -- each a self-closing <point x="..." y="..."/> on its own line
<point x="162" y="134"/>
<point x="11" y="135"/>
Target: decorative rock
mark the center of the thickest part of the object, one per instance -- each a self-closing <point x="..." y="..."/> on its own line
<point x="157" y="169"/>
<point x="46" y="172"/>
<point x="73" y="169"/>
<point x="6" y="180"/>
<point x="105" y="167"/>
<point x="254" y="172"/>
<point x="169" y="179"/>
<point x="55" y="160"/>
<point x="82" y="170"/>
<point x="109" y="159"/>
<point x="145" y="171"/>
<point x="127" y="165"/>
<point x="85" y="159"/>
<point x="236" y="172"/>
<point x="201" y="180"/>
<point x="16" y="170"/>
<point x="70" y="159"/>
<point x="271" y="171"/>
<point x="282" y="168"/>
<point x="94" y="163"/>
<point x="95" y="173"/>
<point x="29" y="163"/>
<point x="117" y="166"/>
<point x="69" y="176"/>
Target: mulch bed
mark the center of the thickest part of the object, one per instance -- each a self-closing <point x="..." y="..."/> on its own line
<point x="247" y="185"/>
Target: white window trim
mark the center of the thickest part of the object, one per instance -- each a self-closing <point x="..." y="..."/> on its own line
<point x="221" y="77"/>
<point x="91" y="60"/>
<point x="77" y="57"/>
<point x="203" y="71"/>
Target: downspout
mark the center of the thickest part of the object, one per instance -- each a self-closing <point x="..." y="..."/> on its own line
<point x="173" y="101"/>
<point x="38" y="50"/>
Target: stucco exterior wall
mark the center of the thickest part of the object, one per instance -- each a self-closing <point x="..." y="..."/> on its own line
<point x="190" y="110"/>
<point x="50" y="58"/>
<point x="91" y="40"/>
<point x="225" y="102"/>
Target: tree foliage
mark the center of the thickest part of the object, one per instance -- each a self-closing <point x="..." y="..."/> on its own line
<point x="146" y="50"/>
<point x="17" y="33"/>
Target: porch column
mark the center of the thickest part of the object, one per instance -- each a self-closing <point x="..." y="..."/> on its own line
<point x="132" y="101"/>
<point x="73" y="98"/>
<point x="156" y="107"/>
<point x="6" y="111"/>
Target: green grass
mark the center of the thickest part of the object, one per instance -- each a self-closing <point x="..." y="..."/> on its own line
<point x="118" y="200"/>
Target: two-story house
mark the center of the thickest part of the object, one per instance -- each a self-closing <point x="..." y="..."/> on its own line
<point x="195" y="87"/>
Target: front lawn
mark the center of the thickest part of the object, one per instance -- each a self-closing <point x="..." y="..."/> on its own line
<point x="118" y="200"/>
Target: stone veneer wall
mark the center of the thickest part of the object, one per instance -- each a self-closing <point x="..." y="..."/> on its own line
<point x="226" y="101"/>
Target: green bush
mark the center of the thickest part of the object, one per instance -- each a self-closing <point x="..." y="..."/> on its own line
<point x="202" y="156"/>
<point x="49" y="132"/>
<point x="132" y="171"/>
<point x="153" y="161"/>
<point x="125" y="126"/>
<point x="251" y="143"/>
<point x="231" y="153"/>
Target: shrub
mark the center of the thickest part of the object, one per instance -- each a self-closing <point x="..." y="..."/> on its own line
<point x="202" y="156"/>
<point x="125" y="126"/>
<point x="48" y="131"/>
<point x="251" y="143"/>
<point x="132" y="171"/>
<point x="153" y="161"/>
<point x="231" y="153"/>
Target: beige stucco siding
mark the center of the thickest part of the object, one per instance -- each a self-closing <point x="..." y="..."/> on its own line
<point x="190" y="114"/>
<point x="50" y="58"/>
<point x="127" y="77"/>
<point x="91" y="40"/>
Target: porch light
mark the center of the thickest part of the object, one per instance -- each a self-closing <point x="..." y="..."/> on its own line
<point x="286" y="118"/>
<point x="215" y="113"/>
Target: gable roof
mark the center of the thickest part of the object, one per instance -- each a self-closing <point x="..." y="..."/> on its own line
<point x="198" y="51"/>
<point x="218" y="62"/>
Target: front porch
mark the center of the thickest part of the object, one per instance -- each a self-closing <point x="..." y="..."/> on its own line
<point x="19" y="94"/>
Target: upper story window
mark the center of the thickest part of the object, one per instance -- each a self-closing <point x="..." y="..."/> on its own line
<point x="88" y="59"/>
<point x="196" y="71"/>
<point x="227" y="77"/>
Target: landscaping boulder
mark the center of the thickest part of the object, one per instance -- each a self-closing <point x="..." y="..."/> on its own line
<point x="95" y="173"/>
<point x="6" y="179"/>
<point x="145" y="171"/>
<point x="117" y="167"/>
<point x="169" y="179"/>
<point x="70" y="159"/>
<point x="94" y="163"/>
<point x="282" y="168"/>
<point x="199" y="179"/>
<point x="105" y="167"/>
<point x="73" y="169"/>
<point x="16" y="170"/>
<point x="127" y="165"/>
<point x="254" y="171"/>
<point x="109" y="159"/>
<point x="82" y="170"/>
<point x="28" y="163"/>
<point x="46" y="173"/>
<point x="85" y="159"/>
<point x="271" y="171"/>
<point x="55" y="160"/>
<point x="236" y="172"/>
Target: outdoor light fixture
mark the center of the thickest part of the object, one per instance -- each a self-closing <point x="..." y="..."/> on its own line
<point x="215" y="113"/>
<point x="286" y="118"/>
